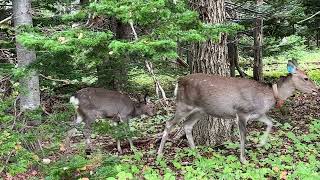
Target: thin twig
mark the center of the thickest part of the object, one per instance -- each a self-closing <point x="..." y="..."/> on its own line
<point x="16" y="116"/>
<point x="133" y="30"/>
<point x="91" y="17"/>
<point x="40" y="146"/>
<point x="247" y="9"/>
<point x="6" y="19"/>
<point x="4" y="49"/>
<point x="5" y="78"/>
<point x="150" y="69"/>
<point x="309" y="17"/>
<point x="57" y="80"/>
<point x="9" y="156"/>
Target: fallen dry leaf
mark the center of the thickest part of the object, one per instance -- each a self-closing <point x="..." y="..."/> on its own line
<point x="62" y="147"/>
<point x="83" y="168"/>
<point x="276" y="169"/>
<point x="283" y="175"/>
<point x="84" y="178"/>
<point x="62" y="40"/>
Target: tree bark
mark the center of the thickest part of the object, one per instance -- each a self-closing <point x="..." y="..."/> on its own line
<point x="232" y="55"/>
<point x="211" y="58"/>
<point x="318" y="36"/>
<point x="258" y="35"/>
<point x="30" y="95"/>
<point x="84" y="2"/>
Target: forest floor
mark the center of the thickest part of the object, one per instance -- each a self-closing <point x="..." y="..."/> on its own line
<point x="293" y="151"/>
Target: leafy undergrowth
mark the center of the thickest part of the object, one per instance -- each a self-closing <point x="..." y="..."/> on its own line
<point x="291" y="153"/>
<point x="288" y="155"/>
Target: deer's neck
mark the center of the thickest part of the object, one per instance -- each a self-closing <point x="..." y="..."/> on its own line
<point x="286" y="87"/>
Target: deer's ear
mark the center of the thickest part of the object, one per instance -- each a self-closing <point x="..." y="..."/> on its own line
<point x="291" y="67"/>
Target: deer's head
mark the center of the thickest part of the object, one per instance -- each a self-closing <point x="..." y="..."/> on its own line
<point x="300" y="79"/>
<point x="147" y="107"/>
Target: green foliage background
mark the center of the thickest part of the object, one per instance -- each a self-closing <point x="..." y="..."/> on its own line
<point x="73" y="52"/>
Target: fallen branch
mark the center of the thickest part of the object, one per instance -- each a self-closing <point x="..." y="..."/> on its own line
<point x="5" y="20"/>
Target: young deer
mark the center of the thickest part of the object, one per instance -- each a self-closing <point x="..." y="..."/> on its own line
<point x="93" y="103"/>
<point x="227" y="97"/>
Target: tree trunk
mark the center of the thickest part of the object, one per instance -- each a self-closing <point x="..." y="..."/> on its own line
<point x="30" y="97"/>
<point x="211" y="58"/>
<point x="84" y="2"/>
<point x="257" y="64"/>
<point x="318" y="36"/>
<point x="232" y="55"/>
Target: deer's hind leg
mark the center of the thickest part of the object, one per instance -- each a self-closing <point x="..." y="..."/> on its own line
<point x="182" y="111"/>
<point x="265" y="119"/>
<point x="188" y="124"/>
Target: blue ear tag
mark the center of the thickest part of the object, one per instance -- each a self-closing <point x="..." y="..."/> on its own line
<point x="291" y="69"/>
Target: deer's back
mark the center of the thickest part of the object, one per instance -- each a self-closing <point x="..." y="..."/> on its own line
<point x="224" y="96"/>
<point x="105" y="103"/>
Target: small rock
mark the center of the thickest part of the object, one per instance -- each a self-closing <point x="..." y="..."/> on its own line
<point x="46" y="161"/>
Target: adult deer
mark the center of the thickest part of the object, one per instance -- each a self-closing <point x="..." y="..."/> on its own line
<point x="226" y="97"/>
<point x="93" y="103"/>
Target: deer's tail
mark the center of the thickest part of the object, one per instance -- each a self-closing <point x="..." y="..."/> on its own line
<point x="79" y="115"/>
<point x="74" y="101"/>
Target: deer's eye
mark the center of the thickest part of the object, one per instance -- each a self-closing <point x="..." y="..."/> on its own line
<point x="306" y="79"/>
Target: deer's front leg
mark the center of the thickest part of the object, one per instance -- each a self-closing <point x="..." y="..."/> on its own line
<point x="132" y="147"/>
<point x="116" y="124"/>
<point x="188" y="126"/>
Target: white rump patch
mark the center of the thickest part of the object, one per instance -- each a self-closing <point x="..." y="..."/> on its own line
<point x="175" y="90"/>
<point x="74" y="101"/>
